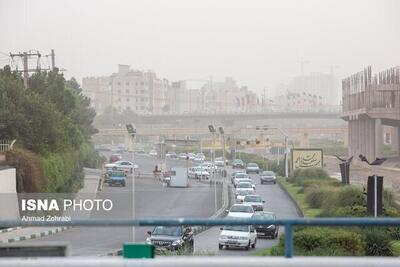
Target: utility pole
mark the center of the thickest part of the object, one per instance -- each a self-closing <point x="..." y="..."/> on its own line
<point x="53" y="59"/>
<point x="25" y="59"/>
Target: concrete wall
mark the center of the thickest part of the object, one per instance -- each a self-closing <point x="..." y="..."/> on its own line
<point x="9" y="208"/>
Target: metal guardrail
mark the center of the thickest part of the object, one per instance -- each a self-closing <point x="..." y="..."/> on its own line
<point x="287" y="223"/>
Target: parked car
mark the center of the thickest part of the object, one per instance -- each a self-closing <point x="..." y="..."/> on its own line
<point x="198" y="173"/>
<point x="219" y="162"/>
<point x="191" y="156"/>
<point x="268" y="177"/>
<point x="255" y="201"/>
<point x="171" y="155"/>
<point x="238" y="236"/>
<point x="252" y="167"/>
<point x="266" y="230"/>
<point x="171" y="238"/>
<point x="115" y="157"/>
<point x="183" y="156"/>
<point x="241" y="211"/>
<point x="237" y="163"/>
<point x="153" y="153"/>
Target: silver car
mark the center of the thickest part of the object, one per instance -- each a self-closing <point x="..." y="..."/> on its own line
<point x="268" y="177"/>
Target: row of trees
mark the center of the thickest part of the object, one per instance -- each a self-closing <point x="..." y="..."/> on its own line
<point x="52" y="122"/>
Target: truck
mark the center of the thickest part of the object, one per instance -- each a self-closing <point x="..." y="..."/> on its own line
<point x="178" y="177"/>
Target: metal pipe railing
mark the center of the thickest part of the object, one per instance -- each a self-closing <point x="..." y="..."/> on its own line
<point x="287" y="223"/>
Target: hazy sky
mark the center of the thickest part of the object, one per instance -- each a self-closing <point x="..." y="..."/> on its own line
<point x="259" y="43"/>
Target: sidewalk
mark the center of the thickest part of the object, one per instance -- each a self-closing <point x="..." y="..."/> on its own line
<point x="19" y="234"/>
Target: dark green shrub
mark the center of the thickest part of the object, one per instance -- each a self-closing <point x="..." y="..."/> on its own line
<point x="314" y="196"/>
<point x="377" y="242"/>
<point x="389" y="200"/>
<point x="333" y="241"/>
<point x="301" y="175"/>
<point x="342" y="197"/>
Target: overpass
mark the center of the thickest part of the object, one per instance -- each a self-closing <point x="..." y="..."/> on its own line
<point x="369" y="102"/>
<point x="227" y="119"/>
<point x="302" y="134"/>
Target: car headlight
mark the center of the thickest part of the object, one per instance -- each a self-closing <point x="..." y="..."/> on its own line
<point x="243" y="238"/>
<point x="177" y="242"/>
<point x="272" y="227"/>
<point x="148" y="241"/>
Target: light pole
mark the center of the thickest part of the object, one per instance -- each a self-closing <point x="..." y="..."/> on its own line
<point x="222" y="132"/>
<point x="131" y="128"/>
<point x="286" y="146"/>
<point x="212" y="130"/>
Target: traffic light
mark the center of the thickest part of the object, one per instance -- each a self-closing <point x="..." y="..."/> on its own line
<point x="238" y="143"/>
<point x="248" y="142"/>
<point x="257" y="142"/>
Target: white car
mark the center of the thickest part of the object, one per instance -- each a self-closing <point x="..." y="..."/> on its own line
<point x="153" y="153"/>
<point x="252" y="167"/>
<point x="237" y="236"/>
<point x="191" y="156"/>
<point x="244" y="186"/>
<point x="182" y="156"/>
<point x="198" y="173"/>
<point x="239" y="176"/>
<point x="244" y="180"/>
<point x="208" y="166"/>
<point x="121" y="165"/>
<point x="255" y="201"/>
<point x="219" y="162"/>
<point x="240" y="195"/>
<point x="241" y="211"/>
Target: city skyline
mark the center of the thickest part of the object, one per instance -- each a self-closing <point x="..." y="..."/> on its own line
<point x="261" y="45"/>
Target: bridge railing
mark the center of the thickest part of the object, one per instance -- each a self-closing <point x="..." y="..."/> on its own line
<point x="287" y="223"/>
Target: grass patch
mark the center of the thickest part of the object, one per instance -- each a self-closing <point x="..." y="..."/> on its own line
<point x="395" y="244"/>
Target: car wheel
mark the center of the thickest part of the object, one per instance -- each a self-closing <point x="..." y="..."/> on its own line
<point x="274" y="182"/>
<point x="248" y="246"/>
<point x="220" y="246"/>
<point x="261" y="182"/>
<point x="254" y="245"/>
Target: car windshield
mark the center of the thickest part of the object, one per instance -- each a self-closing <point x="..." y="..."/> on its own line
<point x="268" y="173"/>
<point x="240" y="228"/>
<point x="238" y="161"/>
<point x="268" y="216"/>
<point x="252" y="165"/>
<point x="241" y="175"/>
<point x="168" y="230"/>
<point x="242" y="208"/>
<point x="117" y="174"/>
<point x="252" y="199"/>
<point x="244" y="192"/>
<point x="244" y="185"/>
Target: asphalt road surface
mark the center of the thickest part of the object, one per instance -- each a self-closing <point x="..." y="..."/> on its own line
<point x="150" y="198"/>
<point x="275" y="200"/>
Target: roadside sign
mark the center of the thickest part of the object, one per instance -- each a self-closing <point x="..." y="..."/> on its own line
<point x="302" y="158"/>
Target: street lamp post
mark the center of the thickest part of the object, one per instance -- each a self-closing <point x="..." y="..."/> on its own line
<point x="212" y="130"/>
<point x="131" y="128"/>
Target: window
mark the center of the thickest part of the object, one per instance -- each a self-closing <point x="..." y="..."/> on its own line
<point x="127" y="100"/>
<point x="127" y="83"/>
<point x="137" y="92"/>
<point x="127" y="91"/>
<point x="119" y="99"/>
<point x="141" y="83"/>
<point x="119" y="91"/>
<point x="142" y="91"/>
<point x="119" y="83"/>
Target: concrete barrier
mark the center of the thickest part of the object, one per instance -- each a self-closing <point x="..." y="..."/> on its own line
<point x="9" y="207"/>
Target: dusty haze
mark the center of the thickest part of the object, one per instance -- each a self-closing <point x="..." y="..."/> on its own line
<point x="259" y="43"/>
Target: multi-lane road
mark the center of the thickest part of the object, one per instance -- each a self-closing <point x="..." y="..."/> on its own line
<point x="276" y="201"/>
<point x="147" y="197"/>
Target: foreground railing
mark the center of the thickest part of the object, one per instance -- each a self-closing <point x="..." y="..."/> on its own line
<point x="287" y="223"/>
